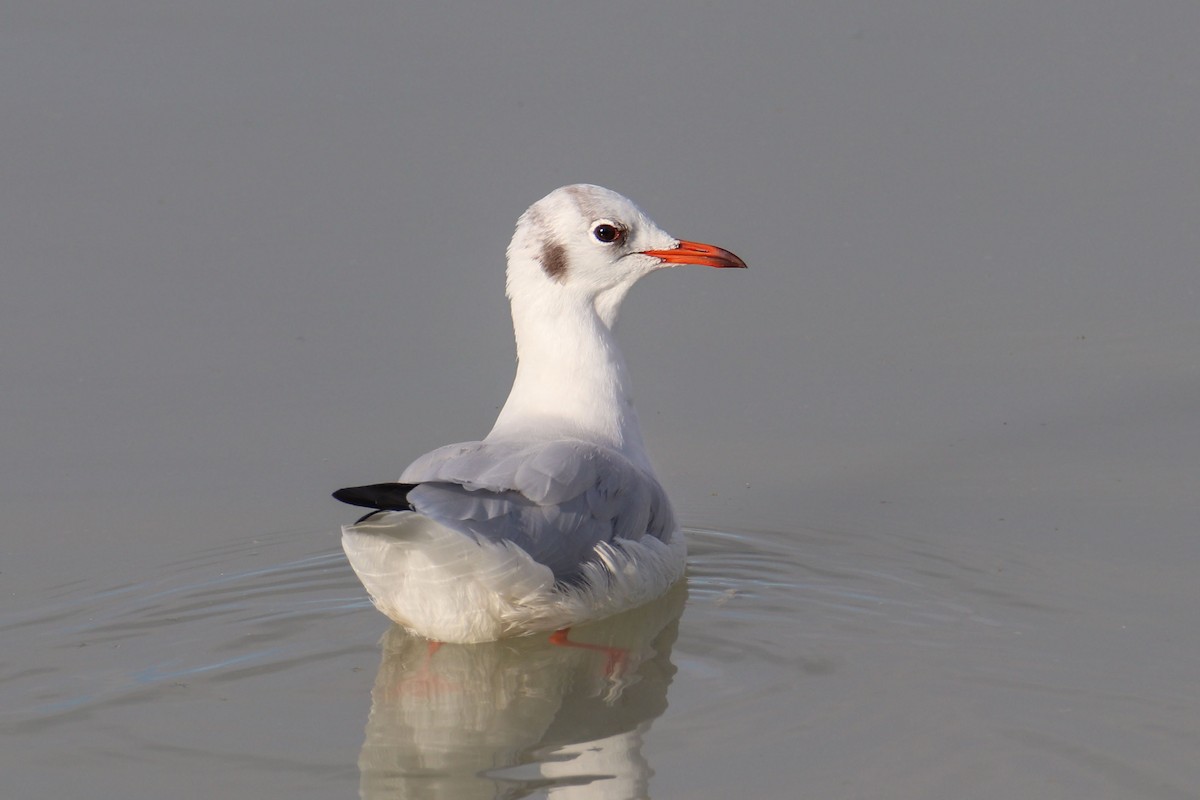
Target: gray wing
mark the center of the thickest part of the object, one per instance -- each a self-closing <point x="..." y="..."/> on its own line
<point x="556" y="500"/>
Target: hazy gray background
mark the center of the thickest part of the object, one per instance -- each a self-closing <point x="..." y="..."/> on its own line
<point x="253" y="251"/>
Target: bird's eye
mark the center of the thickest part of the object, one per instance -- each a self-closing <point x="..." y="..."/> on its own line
<point x="607" y="233"/>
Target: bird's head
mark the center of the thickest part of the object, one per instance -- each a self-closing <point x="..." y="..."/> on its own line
<point x="588" y="243"/>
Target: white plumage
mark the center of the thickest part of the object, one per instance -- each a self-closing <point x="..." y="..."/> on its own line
<point x="556" y="517"/>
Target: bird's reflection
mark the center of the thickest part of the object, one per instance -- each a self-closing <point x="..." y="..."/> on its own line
<point x="506" y="719"/>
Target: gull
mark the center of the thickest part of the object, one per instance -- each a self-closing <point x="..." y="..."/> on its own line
<point x="556" y="517"/>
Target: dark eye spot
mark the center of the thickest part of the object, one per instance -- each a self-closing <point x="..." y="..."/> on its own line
<point x="607" y="233"/>
<point x="554" y="260"/>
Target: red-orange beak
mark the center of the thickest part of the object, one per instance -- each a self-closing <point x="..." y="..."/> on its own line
<point x="704" y="255"/>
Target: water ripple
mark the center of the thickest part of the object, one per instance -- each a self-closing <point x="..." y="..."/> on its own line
<point x="224" y="612"/>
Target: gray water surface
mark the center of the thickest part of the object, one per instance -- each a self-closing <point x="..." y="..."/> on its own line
<point x="935" y="451"/>
<point x="868" y="665"/>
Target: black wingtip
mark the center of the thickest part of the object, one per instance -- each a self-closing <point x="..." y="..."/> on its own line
<point x="378" y="496"/>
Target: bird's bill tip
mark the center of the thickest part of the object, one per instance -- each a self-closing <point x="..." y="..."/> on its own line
<point x="704" y="255"/>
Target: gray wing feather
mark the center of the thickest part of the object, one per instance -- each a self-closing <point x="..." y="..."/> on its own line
<point x="556" y="500"/>
<point x="545" y="472"/>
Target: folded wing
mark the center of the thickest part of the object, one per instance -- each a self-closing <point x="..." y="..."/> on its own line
<point x="556" y="500"/>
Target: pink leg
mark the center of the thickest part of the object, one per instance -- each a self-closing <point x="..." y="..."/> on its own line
<point x="616" y="656"/>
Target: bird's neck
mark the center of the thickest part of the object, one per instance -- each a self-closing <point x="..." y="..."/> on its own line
<point x="571" y="377"/>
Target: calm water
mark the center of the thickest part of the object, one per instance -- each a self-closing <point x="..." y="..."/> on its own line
<point x="936" y="449"/>
<point x="862" y="665"/>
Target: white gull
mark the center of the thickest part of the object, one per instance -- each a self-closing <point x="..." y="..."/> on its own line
<point x="556" y="517"/>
